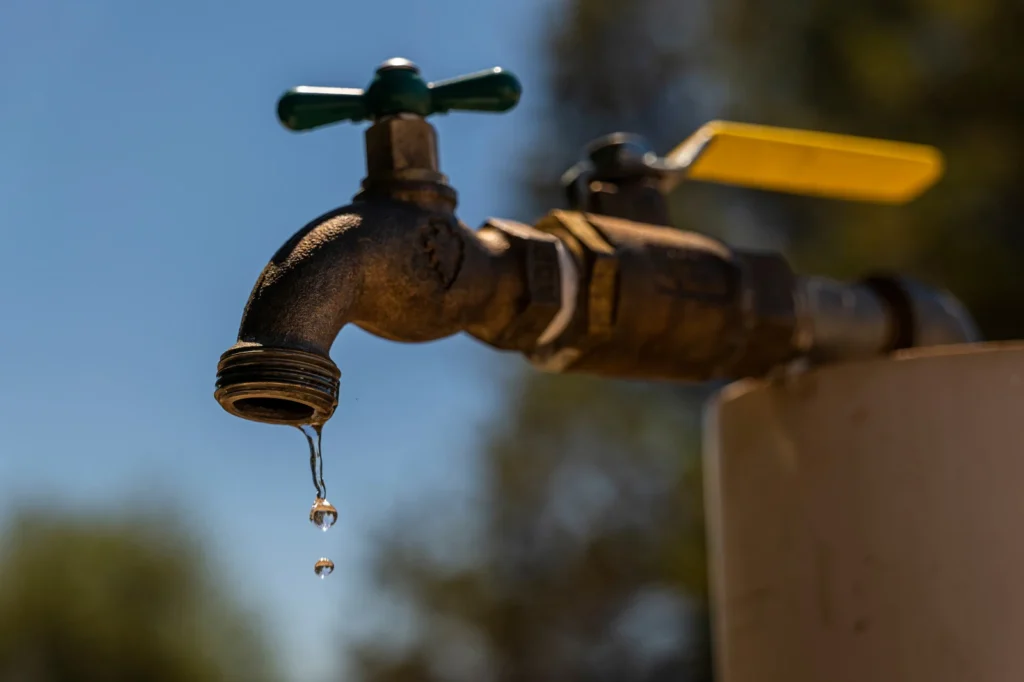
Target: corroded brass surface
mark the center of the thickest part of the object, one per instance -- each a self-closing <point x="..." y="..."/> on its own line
<point x="659" y="303"/>
<point x="392" y="268"/>
<point x="402" y="147"/>
<point x="580" y="292"/>
<point x="540" y="299"/>
<point x="396" y="262"/>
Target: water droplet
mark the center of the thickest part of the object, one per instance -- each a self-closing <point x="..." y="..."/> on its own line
<point x="323" y="514"/>
<point x="313" y="433"/>
<point x="323" y="568"/>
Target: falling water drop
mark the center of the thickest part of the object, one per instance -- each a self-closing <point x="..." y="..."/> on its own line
<point x="323" y="568"/>
<point x="312" y="432"/>
<point x="322" y="514"/>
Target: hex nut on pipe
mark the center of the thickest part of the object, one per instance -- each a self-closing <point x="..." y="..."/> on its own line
<point x="542" y="299"/>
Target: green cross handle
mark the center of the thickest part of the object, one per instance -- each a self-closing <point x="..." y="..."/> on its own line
<point x="395" y="89"/>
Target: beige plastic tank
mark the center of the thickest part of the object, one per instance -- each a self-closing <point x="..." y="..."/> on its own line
<point x="866" y="521"/>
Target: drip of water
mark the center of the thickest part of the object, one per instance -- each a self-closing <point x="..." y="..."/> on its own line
<point x="312" y="432"/>
<point x="323" y="515"/>
<point x="323" y="568"/>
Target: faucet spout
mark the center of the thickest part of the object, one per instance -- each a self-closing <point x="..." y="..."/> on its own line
<point x="403" y="271"/>
<point x="396" y="262"/>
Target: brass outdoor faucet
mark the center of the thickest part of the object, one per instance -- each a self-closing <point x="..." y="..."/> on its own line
<point x="608" y="288"/>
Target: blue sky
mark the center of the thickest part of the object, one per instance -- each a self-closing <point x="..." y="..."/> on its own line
<point x="144" y="182"/>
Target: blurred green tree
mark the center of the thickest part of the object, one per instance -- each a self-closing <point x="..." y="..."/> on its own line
<point x="591" y="507"/>
<point x="587" y="559"/>
<point x="128" y="600"/>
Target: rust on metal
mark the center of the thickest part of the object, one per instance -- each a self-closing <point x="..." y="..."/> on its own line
<point x="610" y="289"/>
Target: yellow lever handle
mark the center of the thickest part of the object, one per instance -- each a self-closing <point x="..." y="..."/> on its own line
<point x="806" y="162"/>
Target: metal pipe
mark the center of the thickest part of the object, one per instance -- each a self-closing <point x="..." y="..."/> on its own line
<point x="837" y="320"/>
<point x="843" y="321"/>
<point x="399" y="264"/>
<point x="579" y="292"/>
<point x="396" y="271"/>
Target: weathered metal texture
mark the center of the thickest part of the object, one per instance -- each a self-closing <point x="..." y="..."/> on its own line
<point x="538" y="287"/>
<point x="661" y="304"/>
<point x="402" y="148"/>
<point x="396" y="262"/>
<point x="769" y="312"/>
<point x="763" y="313"/>
<point x="657" y="303"/>
<point x="619" y="298"/>
<point x="397" y="271"/>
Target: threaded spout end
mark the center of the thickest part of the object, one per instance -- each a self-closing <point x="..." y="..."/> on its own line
<point x="277" y="385"/>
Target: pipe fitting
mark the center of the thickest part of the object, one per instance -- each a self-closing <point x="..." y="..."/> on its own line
<point x="277" y="385"/>
<point x="922" y="315"/>
<point x="654" y="303"/>
<point x="550" y="283"/>
<point x="402" y="163"/>
<point x="880" y="314"/>
<point x="841" y="321"/>
<point x="402" y="271"/>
